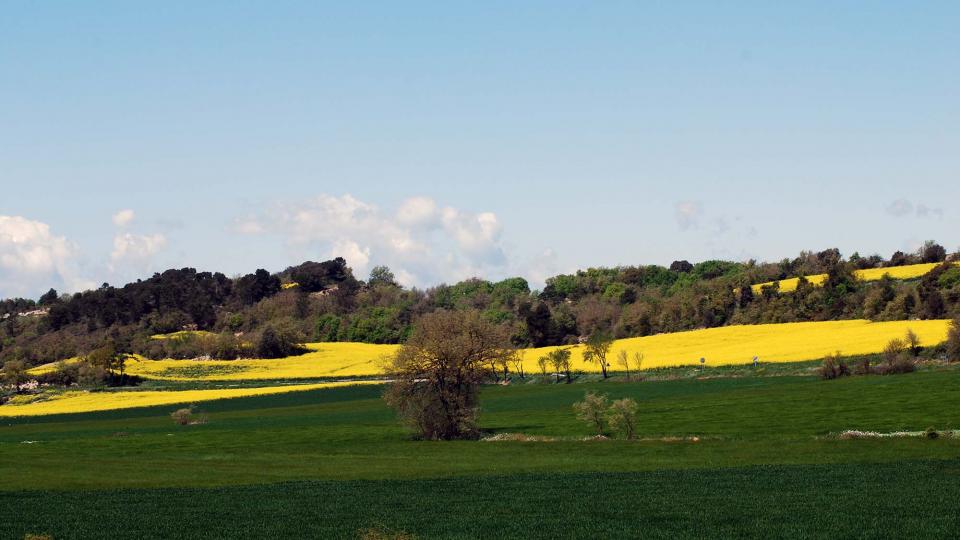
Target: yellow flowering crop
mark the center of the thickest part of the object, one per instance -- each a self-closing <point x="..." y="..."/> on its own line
<point x="728" y="345"/>
<point x="82" y="401"/>
<point x="323" y="360"/>
<point x="911" y="271"/>
<point x="719" y="346"/>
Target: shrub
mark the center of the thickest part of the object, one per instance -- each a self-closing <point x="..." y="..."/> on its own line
<point x="622" y="417"/>
<point x="278" y="342"/>
<point x="931" y="433"/>
<point x="63" y="374"/>
<point x="904" y="363"/>
<point x="894" y="349"/>
<point x="592" y="410"/>
<point x="14" y="374"/>
<point x="833" y="367"/>
<point x="183" y="417"/>
<point x="91" y="375"/>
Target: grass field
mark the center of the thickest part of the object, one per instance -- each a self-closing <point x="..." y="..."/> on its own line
<point x="729" y="345"/>
<point x="331" y="462"/>
<point x="910" y="271"/>
<point x="78" y="401"/>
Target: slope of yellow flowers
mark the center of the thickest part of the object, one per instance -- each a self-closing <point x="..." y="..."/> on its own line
<point x="323" y="360"/>
<point x="911" y="271"/>
<point x="731" y="345"/>
<point x="719" y="346"/>
<point x="83" y="401"/>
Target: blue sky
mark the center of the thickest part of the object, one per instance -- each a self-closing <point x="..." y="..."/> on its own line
<point x="451" y="139"/>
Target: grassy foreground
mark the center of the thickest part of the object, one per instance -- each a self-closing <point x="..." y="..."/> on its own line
<point x="917" y="499"/>
<point x="330" y="462"/>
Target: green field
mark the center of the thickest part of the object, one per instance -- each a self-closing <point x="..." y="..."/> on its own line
<point x="331" y="463"/>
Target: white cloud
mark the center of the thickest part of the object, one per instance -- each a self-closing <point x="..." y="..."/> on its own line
<point x="477" y="235"/>
<point x="418" y="212"/>
<point x="123" y="218"/>
<point x="422" y="242"/>
<point x="543" y="266"/>
<point x="687" y="214"/>
<point x="135" y="252"/>
<point x="357" y="257"/>
<point x="33" y="259"/>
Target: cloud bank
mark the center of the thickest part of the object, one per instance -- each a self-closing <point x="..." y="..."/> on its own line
<point x="422" y="241"/>
<point x="34" y="258"/>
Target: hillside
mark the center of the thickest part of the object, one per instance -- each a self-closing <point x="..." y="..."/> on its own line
<point x="910" y="271"/>
<point x="325" y="302"/>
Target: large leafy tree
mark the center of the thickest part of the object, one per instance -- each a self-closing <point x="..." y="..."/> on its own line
<point x="438" y="372"/>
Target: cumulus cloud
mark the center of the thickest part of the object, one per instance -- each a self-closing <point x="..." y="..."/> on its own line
<point x="544" y="265"/>
<point x="358" y="257"/>
<point x="135" y="252"/>
<point x="422" y="241"/>
<point x="123" y="218"/>
<point x="418" y="212"/>
<point x="904" y="208"/>
<point x="32" y="259"/>
<point x="687" y="214"/>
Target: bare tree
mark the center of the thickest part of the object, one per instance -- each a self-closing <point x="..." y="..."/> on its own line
<point x="592" y="410"/>
<point x="543" y="362"/>
<point x="438" y="372"/>
<point x="623" y="360"/>
<point x="638" y="362"/>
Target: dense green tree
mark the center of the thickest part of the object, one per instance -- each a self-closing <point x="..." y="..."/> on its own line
<point x="381" y="275"/>
<point x="50" y="297"/>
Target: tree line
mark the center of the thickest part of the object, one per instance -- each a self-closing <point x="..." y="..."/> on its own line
<point x="269" y="314"/>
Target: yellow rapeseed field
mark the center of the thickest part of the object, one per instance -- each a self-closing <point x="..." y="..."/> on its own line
<point x="730" y="345"/>
<point x="323" y="360"/>
<point x="83" y="401"/>
<point x="719" y="346"/>
<point x="911" y="271"/>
